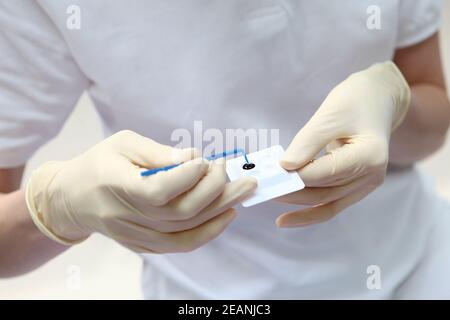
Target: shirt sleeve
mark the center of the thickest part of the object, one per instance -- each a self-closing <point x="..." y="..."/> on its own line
<point x="418" y="20"/>
<point x="39" y="81"/>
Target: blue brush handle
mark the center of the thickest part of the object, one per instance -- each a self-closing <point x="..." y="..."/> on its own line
<point x="224" y="154"/>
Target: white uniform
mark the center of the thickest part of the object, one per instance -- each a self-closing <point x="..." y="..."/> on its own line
<point x="153" y="66"/>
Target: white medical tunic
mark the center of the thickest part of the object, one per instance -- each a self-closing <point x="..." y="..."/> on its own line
<point x="158" y="65"/>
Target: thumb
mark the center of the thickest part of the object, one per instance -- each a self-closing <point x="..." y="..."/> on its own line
<point x="359" y="156"/>
<point x="308" y="142"/>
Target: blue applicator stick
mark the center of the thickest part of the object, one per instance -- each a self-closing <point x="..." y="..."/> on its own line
<point x="210" y="158"/>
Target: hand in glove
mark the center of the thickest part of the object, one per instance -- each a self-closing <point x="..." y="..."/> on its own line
<point x="102" y="191"/>
<point x="354" y="125"/>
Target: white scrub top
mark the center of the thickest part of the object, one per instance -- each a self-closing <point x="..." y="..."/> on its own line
<point x="157" y="65"/>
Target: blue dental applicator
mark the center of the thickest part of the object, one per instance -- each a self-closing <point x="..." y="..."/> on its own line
<point x="210" y="158"/>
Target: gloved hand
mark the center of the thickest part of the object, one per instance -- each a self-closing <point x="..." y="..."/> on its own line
<point x="354" y="124"/>
<point x="102" y="191"/>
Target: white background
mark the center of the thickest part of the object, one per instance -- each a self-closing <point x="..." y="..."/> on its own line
<point x="107" y="271"/>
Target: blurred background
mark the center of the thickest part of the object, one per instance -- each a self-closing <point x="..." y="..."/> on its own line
<point x="100" y="269"/>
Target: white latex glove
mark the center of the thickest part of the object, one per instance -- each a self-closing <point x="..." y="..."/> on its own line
<point x="354" y="124"/>
<point x="102" y="191"/>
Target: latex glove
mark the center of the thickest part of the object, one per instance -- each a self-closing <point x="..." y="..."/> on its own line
<point x="354" y="123"/>
<point x="102" y="191"/>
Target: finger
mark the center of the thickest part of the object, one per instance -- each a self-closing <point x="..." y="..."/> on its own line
<point x="148" y="153"/>
<point x="320" y="130"/>
<point x="338" y="166"/>
<point x="192" y="239"/>
<point x="140" y="238"/>
<point x="344" y="164"/>
<point x="313" y="196"/>
<point x="233" y="193"/>
<point x="201" y="195"/>
<point x="320" y="213"/>
<point x="134" y="236"/>
<point x="146" y="240"/>
<point x="139" y="249"/>
<point x="160" y="188"/>
<point x="336" y="144"/>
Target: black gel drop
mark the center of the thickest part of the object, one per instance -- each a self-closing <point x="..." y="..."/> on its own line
<point x="248" y="166"/>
